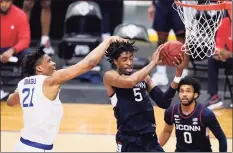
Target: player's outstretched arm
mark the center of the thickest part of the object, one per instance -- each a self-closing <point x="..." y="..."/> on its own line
<point x="13" y="99"/>
<point x="180" y="64"/>
<point x="113" y="78"/>
<point x="89" y="62"/>
<point x="209" y="120"/>
<point x="162" y="99"/>
<point x="168" y="127"/>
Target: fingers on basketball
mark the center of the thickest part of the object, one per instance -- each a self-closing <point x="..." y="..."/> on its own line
<point x="171" y="49"/>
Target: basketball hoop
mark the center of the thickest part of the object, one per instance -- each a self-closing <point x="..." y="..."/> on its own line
<point x="201" y="19"/>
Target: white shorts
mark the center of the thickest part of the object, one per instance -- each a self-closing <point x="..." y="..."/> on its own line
<point x="20" y="147"/>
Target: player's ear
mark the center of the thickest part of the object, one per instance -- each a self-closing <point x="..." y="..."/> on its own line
<point x="195" y="95"/>
<point x="39" y="68"/>
<point x="115" y="62"/>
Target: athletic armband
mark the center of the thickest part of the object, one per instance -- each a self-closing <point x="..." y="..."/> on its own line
<point x="177" y="79"/>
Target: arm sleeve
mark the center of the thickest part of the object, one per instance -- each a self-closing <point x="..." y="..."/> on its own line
<point x="210" y="121"/>
<point x="24" y="34"/>
<point x="220" y="36"/>
<point x="168" y="115"/>
<point x="162" y="99"/>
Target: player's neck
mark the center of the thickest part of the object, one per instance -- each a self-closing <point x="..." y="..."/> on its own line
<point x="186" y="110"/>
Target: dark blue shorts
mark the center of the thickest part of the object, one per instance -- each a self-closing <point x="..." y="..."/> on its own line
<point x="144" y="143"/>
<point x="167" y="18"/>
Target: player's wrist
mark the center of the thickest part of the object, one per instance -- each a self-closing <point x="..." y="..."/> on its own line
<point x="153" y="63"/>
<point x="177" y="79"/>
<point x="179" y="72"/>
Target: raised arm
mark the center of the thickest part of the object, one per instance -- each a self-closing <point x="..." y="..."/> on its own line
<point x="89" y="62"/>
<point x="113" y="78"/>
<point x="164" y="99"/>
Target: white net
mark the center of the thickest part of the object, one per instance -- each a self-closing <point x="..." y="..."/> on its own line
<point x="201" y="27"/>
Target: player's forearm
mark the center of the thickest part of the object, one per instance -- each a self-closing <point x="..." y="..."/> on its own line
<point x="223" y="145"/>
<point x="89" y="62"/>
<point x="163" y="100"/>
<point x="219" y="134"/>
<point x="164" y="137"/>
<point x="96" y="55"/>
<point x="142" y="74"/>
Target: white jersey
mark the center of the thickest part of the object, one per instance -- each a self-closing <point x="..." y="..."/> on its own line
<point x="41" y="116"/>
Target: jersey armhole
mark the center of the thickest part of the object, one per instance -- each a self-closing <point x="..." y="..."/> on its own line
<point x="201" y="115"/>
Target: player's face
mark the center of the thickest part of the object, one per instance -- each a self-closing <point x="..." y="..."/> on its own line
<point x="47" y="66"/>
<point x="124" y="63"/>
<point x="187" y="95"/>
<point x="5" y="5"/>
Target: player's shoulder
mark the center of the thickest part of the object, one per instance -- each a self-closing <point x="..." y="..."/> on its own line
<point x="110" y="73"/>
<point x="21" y="81"/>
<point x="206" y="112"/>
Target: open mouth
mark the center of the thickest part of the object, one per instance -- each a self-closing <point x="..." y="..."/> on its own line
<point x="129" y="70"/>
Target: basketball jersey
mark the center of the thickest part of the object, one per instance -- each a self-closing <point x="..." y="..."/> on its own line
<point x="41" y="116"/>
<point x="191" y="134"/>
<point x="133" y="109"/>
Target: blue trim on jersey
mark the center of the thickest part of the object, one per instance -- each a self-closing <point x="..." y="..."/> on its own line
<point x="36" y="145"/>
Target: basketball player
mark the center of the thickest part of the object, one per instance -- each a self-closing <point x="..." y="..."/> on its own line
<point x="45" y="21"/>
<point x="192" y="121"/>
<point x="165" y="18"/>
<point x="38" y="95"/>
<point x="130" y="94"/>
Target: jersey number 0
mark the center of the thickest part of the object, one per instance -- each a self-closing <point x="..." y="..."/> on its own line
<point x="27" y="101"/>
<point x="187" y="137"/>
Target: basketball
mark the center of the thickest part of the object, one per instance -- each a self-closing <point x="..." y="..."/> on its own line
<point x="170" y="51"/>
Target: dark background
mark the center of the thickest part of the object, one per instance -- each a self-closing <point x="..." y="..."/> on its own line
<point x="59" y="8"/>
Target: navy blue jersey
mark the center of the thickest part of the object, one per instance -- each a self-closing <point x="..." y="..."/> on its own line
<point x="191" y="130"/>
<point x="133" y="109"/>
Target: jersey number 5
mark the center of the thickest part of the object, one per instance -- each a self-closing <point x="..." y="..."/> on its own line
<point x="137" y="94"/>
<point x="187" y="137"/>
<point x="29" y="93"/>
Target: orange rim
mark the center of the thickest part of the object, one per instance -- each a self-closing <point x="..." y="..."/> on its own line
<point x="221" y="6"/>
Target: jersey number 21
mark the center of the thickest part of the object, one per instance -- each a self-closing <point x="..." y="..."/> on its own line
<point x="27" y="101"/>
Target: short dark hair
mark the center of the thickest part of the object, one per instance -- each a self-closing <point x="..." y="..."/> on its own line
<point x="188" y="80"/>
<point x="116" y="48"/>
<point x="30" y="61"/>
